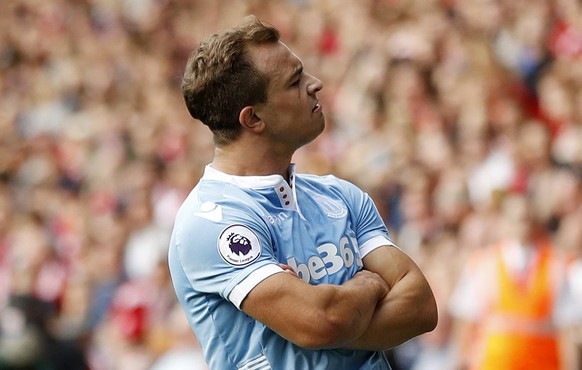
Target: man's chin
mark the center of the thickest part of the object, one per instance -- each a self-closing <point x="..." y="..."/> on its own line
<point x="322" y="124"/>
<point x="321" y="128"/>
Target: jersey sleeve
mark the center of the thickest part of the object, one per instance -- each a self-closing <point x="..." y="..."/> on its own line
<point x="371" y="231"/>
<point x="224" y="251"/>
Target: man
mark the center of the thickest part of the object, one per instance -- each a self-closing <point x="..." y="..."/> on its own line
<point x="278" y="270"/>
<point x="513" y="305"/>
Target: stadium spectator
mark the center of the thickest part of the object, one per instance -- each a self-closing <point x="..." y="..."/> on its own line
<point x="89" y="98"/>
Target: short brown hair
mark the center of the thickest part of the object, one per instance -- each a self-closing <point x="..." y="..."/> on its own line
<point x="220" y="78"/>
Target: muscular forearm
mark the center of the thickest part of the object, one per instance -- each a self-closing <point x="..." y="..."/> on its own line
<point x="320" y="316"/>
<point x="345" y="311"/>
<point x="406" y="311"/>
<point x="400" y="316"/>
<point x="352" y="308"/>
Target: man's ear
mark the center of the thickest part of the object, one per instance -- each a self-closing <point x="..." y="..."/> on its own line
<point x="248" y="119"/>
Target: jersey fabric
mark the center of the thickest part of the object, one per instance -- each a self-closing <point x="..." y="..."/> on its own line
<point x="230" y="234"/>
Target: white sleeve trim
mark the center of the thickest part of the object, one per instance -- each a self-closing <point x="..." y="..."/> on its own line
<point x="240" y="292"/>
<point x="375" y="242"/>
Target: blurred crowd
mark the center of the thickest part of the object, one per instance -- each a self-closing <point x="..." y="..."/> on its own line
<point x="440" y="109"/>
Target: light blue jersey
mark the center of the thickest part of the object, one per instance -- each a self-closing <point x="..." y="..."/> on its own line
<point x="230" y="234"/>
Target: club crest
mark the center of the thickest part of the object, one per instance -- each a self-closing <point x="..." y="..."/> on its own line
<point x="238" y="245"/>
<point x="332" y="208"/>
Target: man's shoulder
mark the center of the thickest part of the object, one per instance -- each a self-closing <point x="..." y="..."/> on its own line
<point x="218" y="192"/>
<point x="325" y="180"/>
<point x="318" y="177"/>
<point x="212" y="205"/>
<point x="330" y="184"/>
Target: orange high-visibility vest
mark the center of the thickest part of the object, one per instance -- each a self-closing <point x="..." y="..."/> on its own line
<point x="518" y="333"/>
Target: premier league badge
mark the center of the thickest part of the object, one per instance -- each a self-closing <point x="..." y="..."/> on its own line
<point x="238" y="245"/>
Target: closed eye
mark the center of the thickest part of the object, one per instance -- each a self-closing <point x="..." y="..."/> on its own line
<point x="295" y="77"/>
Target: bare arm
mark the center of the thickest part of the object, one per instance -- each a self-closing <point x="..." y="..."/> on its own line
<point x="569" y="348"/>
<point x="316" y="316"/>
<point x="408" y="310"/>
<point x="464" y="333"/>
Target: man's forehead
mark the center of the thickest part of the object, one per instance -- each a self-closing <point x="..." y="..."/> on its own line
<point x="276" y="60"/>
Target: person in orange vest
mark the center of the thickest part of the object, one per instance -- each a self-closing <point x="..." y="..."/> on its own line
<point x="575" y="280"/>
<point x="574" y="273"/>
<point x="512" y="305"/>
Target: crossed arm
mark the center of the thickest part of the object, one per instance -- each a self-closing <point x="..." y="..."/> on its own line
<point x="384" y="305"/>
<point x="409" y="309"/>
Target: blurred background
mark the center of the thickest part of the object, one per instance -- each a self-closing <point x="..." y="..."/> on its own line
<point x="440" y="109"/>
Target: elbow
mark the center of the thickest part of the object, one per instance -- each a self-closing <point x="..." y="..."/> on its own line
<point x="430" y="315"/>
<point x="425" y="313"/>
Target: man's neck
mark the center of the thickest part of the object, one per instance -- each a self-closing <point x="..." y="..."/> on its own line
<point x="238" y="161"/>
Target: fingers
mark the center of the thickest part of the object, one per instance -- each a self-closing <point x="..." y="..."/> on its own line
<point x="287" y="269"/>
<point x="374" y="280"/>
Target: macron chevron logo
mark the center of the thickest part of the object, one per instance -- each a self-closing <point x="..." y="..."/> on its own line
<point x="259" y="363"/>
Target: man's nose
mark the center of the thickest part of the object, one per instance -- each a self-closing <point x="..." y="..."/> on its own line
<point x="314" y="85"/>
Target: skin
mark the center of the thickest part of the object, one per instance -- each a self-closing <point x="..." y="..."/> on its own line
<point x="409" y="308"/>
<point x="386" y="303"/>
<point x="273" y="131"/>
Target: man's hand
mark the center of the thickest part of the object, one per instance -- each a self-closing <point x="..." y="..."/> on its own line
<point x="370" y="280"/>
<point x="316" y="316"/>
<point x="407" y="310"/>
<point x="288" y="269"/>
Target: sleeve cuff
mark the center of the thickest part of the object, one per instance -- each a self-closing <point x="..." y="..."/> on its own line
<point x="242" y="289"/>
<point x="375" y="242"/>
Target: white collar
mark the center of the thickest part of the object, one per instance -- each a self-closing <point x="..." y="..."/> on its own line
<point x="286" y="192"/>
<point x="250" y="182"/>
